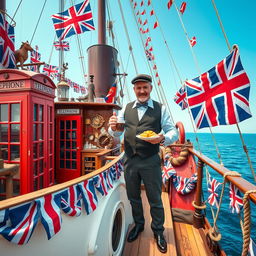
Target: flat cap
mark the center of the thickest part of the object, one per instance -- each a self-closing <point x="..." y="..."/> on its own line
<point x="141" y="78"/>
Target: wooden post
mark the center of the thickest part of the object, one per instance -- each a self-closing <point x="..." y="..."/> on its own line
<point x="198" y="218"/>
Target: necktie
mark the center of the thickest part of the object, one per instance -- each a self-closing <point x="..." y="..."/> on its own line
<point x="144" y="104"/>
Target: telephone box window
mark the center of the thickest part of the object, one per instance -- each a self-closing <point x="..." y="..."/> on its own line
<point x="3" y="112"/>
<point x="3" y="132"/>
<point x="15" y="112"/>
<point x="15" y="152"/>
<point x="15" y="133"/>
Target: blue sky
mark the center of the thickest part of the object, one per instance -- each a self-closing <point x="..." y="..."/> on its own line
<point x="200" y="21"/>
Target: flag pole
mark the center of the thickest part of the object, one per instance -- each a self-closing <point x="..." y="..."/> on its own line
<point x="61" y="54"/>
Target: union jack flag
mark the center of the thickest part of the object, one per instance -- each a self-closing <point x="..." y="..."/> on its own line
<point x="221" y="95"/>
<point x="252" y="248"/>
<point x="213" y="188"/>
<point x="169" y="4"/>
<point x="236" y="199"/>
<point x="183" y="7"/>
<point x="109" y="179"/>
<point x="100" y="184"/>
<point x="180" y="98"/>
<point x="71" y="201"/>
<point x="192" y="41"/>
<point x="61" y="45"/>
<point x="110" y="98"/>
<point x="89" y="195"/>
<point x="149" y="55"/>
<point x="75" y="20"/>
<point x="185" y="185"/>
<point x="167" y="172"/>
<point x="35" y="58"/>
<point x="7" y="58"/>
<point x="50" y="70"/>
<point x="22" y="220"/>
<point x="49" y="207"/>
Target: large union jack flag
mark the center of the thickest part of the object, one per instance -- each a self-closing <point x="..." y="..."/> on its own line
<point x="19" y="222"/>
<point x="213" y="190"/>
<point x="221" y="95"/>
<point x="50" y="70"/>
<point x="236" y="199"/>
<point x="61" y="45"/>
<point x="7" y="58"/>
<point x="180" y="98"/>
<point x="252" y="248"/>
<point x="75" y="20"/>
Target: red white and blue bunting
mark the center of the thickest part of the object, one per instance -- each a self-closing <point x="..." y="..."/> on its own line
<point x="18" y="223"/>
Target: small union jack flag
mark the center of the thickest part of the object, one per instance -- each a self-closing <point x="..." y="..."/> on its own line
<point x="110" y="98"/>
<point x="71" y="201"/>
<point x="7" y="58"/>
<point x="89" y="195"/>
<point x="100" y="184"/>
<point x="49" y="207"/>
<point x="50" y="70"/>
<point x="19" y="222"/>
<point x="61" y="45"/>
<point x="167" y="172"/>
<point x="149" y="55"/>
<point x="169" y="4"/>
<point x="213" y="188"/>
<point x="192" y="41"/>
<point x="185" y="185"/>
<point x="75" y="20"/>
<point x="183" y="7"/>
<point x="180" y="98"/>
<point x="236" y="199"/>
<point x="35" y="58"/>
<point x="221" y="95"/>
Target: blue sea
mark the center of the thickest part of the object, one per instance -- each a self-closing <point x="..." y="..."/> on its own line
<point x="234" y="158"/>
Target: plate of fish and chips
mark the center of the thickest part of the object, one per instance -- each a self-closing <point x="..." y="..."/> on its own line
<point x="147" y="135"/>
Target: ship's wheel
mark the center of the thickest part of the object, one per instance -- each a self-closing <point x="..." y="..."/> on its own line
<point x="105" y="141"/>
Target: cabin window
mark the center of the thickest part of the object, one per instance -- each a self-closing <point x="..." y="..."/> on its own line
<point x="10" y="132"/>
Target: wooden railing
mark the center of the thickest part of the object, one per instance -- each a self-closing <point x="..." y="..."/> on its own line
<point x="43" y="192"/>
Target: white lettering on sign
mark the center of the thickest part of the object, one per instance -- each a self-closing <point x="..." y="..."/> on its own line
<point x="11" y="85"/>
<point x="43" y="88"/>
<point x="68" y="111"/>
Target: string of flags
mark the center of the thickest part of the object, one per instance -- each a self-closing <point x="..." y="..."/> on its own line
<point x="219" y="96"/>
<point x="17" y="223"/>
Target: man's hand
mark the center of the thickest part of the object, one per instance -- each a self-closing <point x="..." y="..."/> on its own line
<point x="113" y="121"/>
<point x="157" y="140"/>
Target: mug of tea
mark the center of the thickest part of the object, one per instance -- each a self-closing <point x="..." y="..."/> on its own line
<point x="120" y="124"/>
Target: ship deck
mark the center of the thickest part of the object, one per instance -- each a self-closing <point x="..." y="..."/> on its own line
<point x="182" y="239"/>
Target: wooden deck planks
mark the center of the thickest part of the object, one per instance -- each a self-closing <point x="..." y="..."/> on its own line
<point x="145" y="245"/>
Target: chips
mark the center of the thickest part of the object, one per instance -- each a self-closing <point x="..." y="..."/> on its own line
<point x="148" y="134"/>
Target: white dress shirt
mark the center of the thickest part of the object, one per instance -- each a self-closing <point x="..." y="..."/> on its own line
<point x="170" y="132"/>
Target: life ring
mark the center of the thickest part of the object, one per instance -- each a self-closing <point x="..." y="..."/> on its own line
<point x="183" y="154"/>
<point x="180" y="127"/>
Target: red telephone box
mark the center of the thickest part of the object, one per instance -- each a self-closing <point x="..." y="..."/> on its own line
<point x="27" y="126"/>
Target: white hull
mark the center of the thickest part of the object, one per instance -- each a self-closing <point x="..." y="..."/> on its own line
<point x="80" y="236"/>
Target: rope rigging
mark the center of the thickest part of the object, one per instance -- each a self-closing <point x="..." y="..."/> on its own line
<point x="238" y="128"/>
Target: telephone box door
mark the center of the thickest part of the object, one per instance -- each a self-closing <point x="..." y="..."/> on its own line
<point x="68" y="147"/>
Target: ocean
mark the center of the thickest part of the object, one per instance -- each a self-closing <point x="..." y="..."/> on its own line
<point x="234" y="158"/>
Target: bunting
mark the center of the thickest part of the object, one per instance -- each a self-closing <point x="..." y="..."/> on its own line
<point x="213" y="190"/>
<point x="35" y="58"/>
<point x="184" y="185"/>
<point x="183" y="7"/>
<point x="236" y="199"/>
<point x="50" y="70"/>
<point x="169" y="4"/>
<point x="167" y="172"/>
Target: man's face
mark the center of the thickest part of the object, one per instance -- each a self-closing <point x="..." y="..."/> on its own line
<point x="142" y="91"/>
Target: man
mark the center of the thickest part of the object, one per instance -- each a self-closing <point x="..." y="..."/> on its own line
<point x="142" y="161"/>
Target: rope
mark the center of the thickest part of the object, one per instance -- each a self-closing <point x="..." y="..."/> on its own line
<point x="247" y="222"/>
<point x="198" y="69"/>
<point x="127" y="36"/>
<point x="230" y="49"/>
<point x="38" y="22"/>
<point x="213" y="233"/>
<point x="17" y="9"/>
